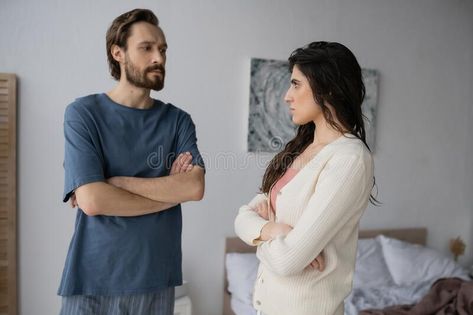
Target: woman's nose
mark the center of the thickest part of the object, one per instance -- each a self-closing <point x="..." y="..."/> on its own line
<point x="287" y="97"/>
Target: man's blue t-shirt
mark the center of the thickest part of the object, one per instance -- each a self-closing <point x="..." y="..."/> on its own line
<point x="111" y="255"/>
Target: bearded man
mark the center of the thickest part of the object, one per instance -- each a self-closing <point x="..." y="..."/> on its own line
<point x="130" y="161"/>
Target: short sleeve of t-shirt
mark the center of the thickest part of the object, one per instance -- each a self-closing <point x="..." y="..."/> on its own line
<point x="83" y="163"/>
<point x="187" y="140"/>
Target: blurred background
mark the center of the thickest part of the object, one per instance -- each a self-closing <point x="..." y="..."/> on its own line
<point x="423" y="51"/>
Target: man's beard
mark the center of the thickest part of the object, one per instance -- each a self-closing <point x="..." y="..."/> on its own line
<point x="140" y="79"/>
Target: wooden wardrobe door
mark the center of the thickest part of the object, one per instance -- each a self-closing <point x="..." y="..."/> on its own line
<point x="8" y="278"/>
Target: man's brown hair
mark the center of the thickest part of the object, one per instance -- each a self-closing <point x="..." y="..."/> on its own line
<point x="119" y="31"/>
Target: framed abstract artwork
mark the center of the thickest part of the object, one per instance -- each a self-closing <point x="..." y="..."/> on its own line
<point x="269" y="123"/>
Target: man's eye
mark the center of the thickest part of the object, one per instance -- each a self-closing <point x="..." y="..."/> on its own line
<point x="146" y="48"/>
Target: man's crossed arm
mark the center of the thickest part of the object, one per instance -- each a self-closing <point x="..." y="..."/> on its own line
<point x="133" y="196"/>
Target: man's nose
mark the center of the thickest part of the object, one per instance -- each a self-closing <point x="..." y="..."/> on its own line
<point x="159" y="57"/>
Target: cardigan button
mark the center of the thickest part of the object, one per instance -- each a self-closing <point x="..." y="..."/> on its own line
<point x="258" y="302"/>
<point x="279" y="192"/>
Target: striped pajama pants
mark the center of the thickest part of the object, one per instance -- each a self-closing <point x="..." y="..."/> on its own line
<point x="158" y="303"/>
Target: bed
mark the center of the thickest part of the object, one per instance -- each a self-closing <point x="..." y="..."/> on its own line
<point x="393" y="267"/>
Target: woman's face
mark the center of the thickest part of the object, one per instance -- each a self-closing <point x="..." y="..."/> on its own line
<point x="301" y="100"/>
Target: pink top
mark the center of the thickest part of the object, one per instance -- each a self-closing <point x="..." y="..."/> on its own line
<point x="286" y="178"/>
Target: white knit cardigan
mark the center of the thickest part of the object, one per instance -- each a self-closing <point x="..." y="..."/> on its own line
<point x="323" y="203"/>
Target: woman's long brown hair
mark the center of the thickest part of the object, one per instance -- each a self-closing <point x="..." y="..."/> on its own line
<point x="335" y="78"/>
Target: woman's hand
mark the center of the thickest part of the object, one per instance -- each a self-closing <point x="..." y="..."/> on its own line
<point x="318" y="263"/>
<point x="262" y="209"/>
<point x="271" y="230"/>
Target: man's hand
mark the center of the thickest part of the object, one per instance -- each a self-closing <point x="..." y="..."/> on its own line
<point x="73" y="201"/>
<point x="116" y="181"/>
<point x="182" y="164"/>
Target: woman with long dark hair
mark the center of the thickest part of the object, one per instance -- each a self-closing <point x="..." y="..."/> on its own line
<point x="313" y="192"/>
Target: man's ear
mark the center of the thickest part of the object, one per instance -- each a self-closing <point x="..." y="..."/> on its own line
<point x="118" y="53"/>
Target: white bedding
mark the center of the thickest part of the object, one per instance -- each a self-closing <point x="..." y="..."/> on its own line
<point x="379" y="297"/>
<point x="387" y="272"/>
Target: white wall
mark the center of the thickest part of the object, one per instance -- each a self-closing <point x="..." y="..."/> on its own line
<point x="423" y="50"/>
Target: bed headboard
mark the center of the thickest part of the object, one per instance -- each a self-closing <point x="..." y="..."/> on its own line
<point x="235" y="245"/>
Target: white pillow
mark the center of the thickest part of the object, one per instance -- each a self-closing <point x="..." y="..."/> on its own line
<point x="410" y="263"/>
<point x="241" y="275"/>
<point x="370" y="268"/>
